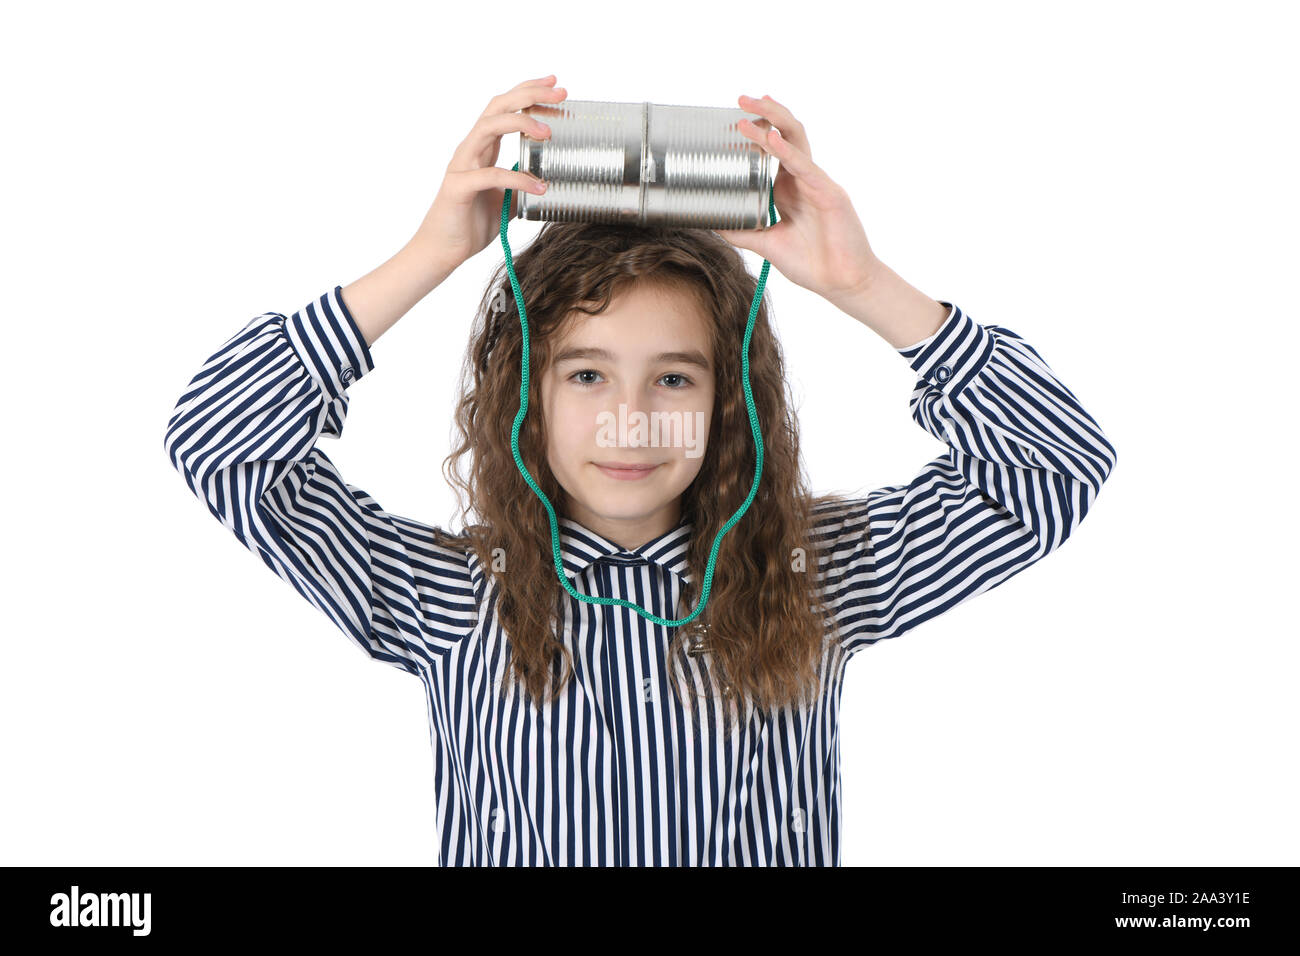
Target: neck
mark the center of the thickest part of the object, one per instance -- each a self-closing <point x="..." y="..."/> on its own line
<point x="628" y="533"/>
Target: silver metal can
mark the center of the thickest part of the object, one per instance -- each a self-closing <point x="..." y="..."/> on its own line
<point x="646" y="164"/>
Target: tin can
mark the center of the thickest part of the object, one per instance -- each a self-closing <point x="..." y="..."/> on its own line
<point x="646" y="164"/>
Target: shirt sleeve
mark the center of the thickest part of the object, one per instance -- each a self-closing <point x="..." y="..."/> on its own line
<point x="1023" y="464"/>
<point x="245" y="437"/>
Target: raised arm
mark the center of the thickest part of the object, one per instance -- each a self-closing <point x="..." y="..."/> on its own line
<point x="1023" y="464"/>
<point x="245" y="436"/>
<point x="1024" y="461"/>
<point x="245" y="433"/>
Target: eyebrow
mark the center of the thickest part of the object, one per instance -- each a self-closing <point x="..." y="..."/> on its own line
<point x="689" y="357"/>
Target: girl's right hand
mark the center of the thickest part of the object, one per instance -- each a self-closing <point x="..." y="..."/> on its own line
<point x="466" y="214"/>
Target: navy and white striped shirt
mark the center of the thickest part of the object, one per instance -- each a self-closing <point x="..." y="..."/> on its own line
<point x="613" y="772"/>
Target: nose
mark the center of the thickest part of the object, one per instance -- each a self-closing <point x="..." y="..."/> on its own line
<point x="635" y="405"/>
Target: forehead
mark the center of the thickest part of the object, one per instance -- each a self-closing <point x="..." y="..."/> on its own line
<point x="641" y="318"/>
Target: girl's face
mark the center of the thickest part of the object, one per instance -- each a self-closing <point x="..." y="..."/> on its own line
<point x="630" y="387"/>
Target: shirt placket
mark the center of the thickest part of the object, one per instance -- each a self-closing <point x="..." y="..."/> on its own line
<point x="610" y="701"/>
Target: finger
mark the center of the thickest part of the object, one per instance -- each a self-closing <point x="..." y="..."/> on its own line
<point x="523" y="96"/>
<point x="752" y="239"/>
<point x="548" y="80"/>
<point x="467" y="183"/>
<point x="489" y="130"/>
<point x="782" y="118"/>
<point x="791" y="158"/>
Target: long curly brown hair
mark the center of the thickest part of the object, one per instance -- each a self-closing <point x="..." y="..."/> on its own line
<point x="767" y="622"/>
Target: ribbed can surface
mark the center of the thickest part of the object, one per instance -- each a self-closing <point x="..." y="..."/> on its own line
<point x="646" y="164"/>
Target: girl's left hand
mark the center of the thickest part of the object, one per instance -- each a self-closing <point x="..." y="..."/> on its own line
<point x="819" y="242"/>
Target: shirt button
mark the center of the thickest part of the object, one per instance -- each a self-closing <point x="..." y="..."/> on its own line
<point x="942" y="373"/>
<point x="346" y="373"/>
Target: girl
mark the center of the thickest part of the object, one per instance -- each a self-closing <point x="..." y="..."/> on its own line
<point x="567" y="732"/>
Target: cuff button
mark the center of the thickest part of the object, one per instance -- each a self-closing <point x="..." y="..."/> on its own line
<point x="346" y="374"/>
<point x="942" y="374"/>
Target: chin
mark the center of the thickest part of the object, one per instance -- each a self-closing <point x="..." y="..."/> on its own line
<point x="626" y="504"/>
<point x="626" y="499"/>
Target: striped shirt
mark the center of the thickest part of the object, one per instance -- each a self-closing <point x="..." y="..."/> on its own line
<point x="614" y="772"/>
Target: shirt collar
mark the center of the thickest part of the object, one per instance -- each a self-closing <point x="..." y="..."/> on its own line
<point x="581" y="547"/>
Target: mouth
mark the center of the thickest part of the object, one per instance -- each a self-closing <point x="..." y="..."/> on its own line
<point x="625" y="470"/>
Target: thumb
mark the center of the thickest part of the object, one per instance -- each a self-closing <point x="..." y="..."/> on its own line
<point x="751" y="239"/>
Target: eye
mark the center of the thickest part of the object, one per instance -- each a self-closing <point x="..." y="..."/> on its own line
<point x="585" y="371"/>
<point x="677" y="375"/>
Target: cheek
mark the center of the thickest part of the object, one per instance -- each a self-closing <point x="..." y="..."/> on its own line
<point x="704" y="417"/>
<point x="695" y="435"/>
<point x="569" y="426"/>
<point x="575" y="422"/>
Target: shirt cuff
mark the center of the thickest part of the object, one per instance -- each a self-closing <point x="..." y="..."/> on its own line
<point x="954" y="354"/>
<point x="327" y="339"/>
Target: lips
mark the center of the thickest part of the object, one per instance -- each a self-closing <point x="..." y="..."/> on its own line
<point x="625" y="471"/>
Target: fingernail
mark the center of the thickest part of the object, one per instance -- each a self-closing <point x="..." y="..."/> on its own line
<point x="539" y="187"/>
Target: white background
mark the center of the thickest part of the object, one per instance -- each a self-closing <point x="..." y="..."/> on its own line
<point x="1113" y="181"/>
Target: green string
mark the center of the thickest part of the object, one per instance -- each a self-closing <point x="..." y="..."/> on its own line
<point x="523" y="410"/>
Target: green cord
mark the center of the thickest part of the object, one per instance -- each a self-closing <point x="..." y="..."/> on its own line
<point x="523" y="410"/>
